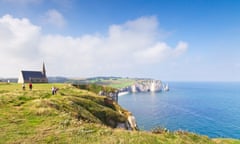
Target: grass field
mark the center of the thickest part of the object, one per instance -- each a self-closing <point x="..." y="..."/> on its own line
<point x="112" y="82"/>
<point x="73" y="116"/>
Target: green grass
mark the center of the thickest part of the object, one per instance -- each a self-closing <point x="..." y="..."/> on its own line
<point x="114" y="83"/>
<point x="120" y="83"/>
<point x="73" y="116"/>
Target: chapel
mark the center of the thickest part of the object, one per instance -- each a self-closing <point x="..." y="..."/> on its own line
<point x="33" y="76"/>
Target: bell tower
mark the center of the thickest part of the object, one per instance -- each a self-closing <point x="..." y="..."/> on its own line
<point x="44" y="70"/>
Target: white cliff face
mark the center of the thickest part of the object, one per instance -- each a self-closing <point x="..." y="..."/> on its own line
<point x="133" y="88"/>
<point x="147" y="86"/>
<point x="152" y="87"/>
<point x="132" y="122"/>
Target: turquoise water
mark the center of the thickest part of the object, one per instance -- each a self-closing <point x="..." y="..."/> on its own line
<point x="211" y="109"/>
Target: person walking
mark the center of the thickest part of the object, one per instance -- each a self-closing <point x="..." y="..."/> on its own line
<point x="30" y="86"/>
<point x="23" y="86"/>
<point x="53" y="90"/>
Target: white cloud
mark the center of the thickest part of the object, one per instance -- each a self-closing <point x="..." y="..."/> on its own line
<point x="181" y="48"/>
<point x="159" y="52"/>
<point x="54" y="18"/>
<point x="126" y="47"/>
<point x="18" y="37"/>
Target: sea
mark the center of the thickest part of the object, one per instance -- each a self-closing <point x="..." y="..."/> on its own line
<point x="206" y="108"/>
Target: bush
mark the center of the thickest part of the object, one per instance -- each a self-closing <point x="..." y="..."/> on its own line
<point x="160" y="130"/>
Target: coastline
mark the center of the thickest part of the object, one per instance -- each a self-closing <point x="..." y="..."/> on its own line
<point x="189" y="106"/>
<point x="72" y="116"/>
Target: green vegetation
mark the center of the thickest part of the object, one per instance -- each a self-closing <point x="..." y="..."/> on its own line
<point x="114" y="82"/>
<point x="73" y="116"/>
<point x="95" y="88"/>
<point x="118" y="83"/>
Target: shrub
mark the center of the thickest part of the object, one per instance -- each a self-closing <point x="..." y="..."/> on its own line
<point x="160" y="130"/>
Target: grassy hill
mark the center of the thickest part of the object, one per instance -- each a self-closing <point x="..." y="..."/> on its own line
<point x="115" y="82"/>
<point x="73" y="116"/>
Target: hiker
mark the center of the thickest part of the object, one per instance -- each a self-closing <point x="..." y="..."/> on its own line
<point x="30" y="86"/>
<point x="53" y="90"/>
<point x="56" y="89"/>
<point x="23" y="86"/>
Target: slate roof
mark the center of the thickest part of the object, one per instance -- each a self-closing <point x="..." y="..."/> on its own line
<point x="32" y="74"/>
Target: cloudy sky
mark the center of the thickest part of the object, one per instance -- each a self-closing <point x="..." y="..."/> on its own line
<point x="171" y="40"/>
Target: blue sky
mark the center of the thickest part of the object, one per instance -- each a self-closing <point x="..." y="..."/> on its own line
<point x="171" y="40"/>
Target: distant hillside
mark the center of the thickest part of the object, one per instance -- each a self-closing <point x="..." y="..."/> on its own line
<point x="58" y="79"/>
<point x="117" y="82"/>
<point x="8" y="80"/>
<point x="50" y="79"/>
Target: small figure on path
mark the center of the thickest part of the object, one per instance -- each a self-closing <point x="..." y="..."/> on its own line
<point x="56" y="89"/>
<point x="53" y="90"/>
<point x="23" y="86"/>
<point x="30" y="86"/>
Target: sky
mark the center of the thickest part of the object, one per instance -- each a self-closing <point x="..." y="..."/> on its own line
<point x="170" y="40"/>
